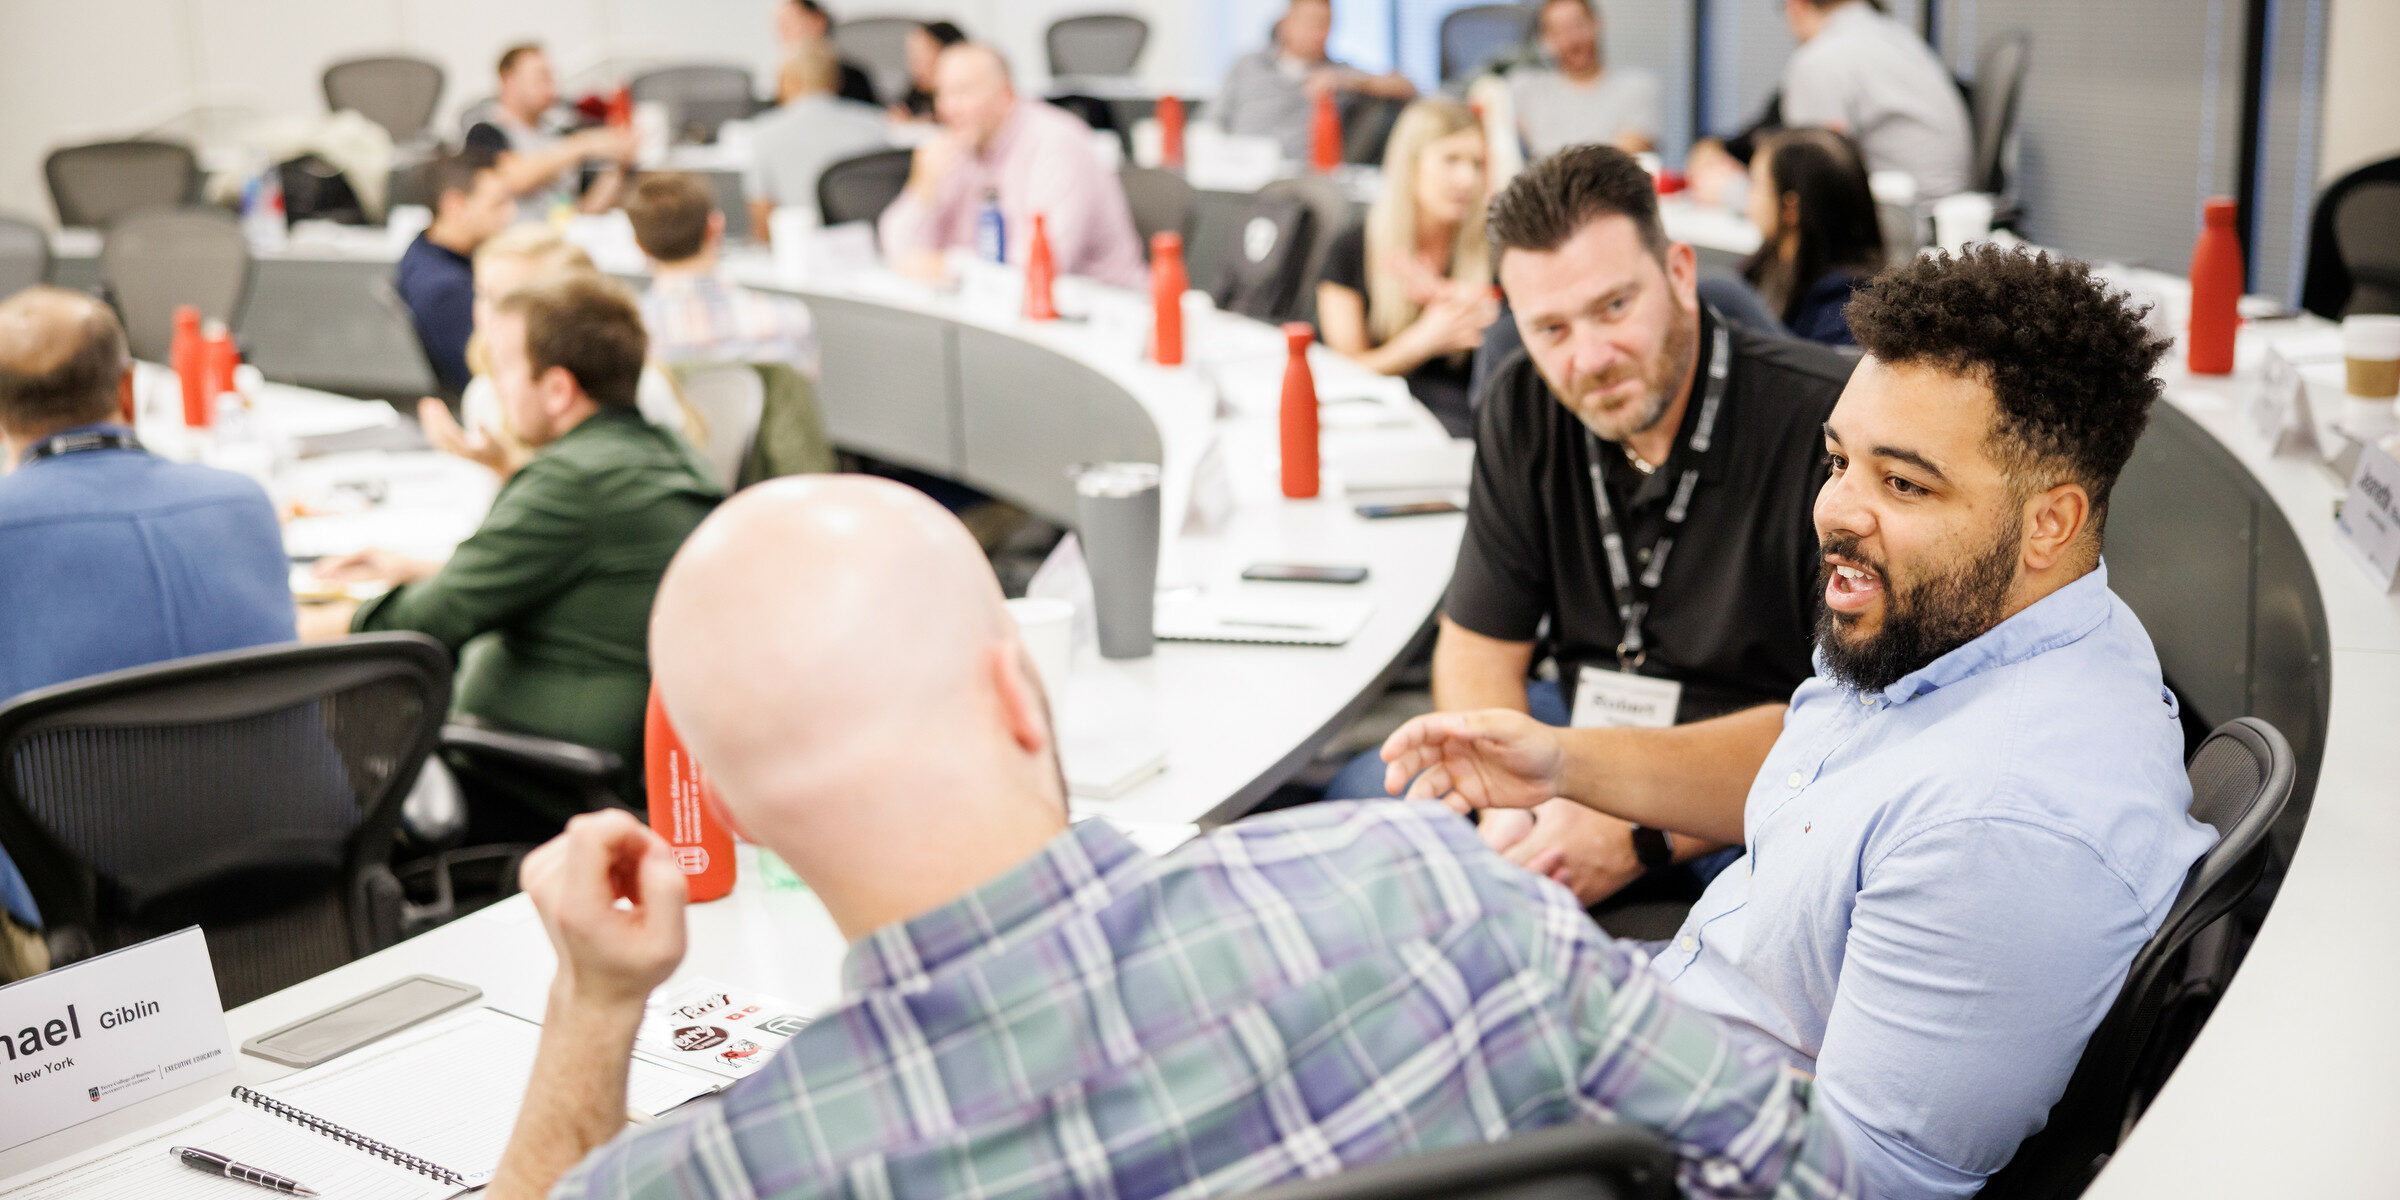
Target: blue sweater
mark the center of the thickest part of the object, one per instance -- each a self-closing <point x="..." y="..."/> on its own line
<point x="118" y="558"/>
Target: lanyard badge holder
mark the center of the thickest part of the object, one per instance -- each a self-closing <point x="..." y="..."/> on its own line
<point x="1625" y="696"/>
<point x="76" y="443"/>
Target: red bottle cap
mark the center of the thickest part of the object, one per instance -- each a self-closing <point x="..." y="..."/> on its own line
<point x="1163" y="245"/>
<point x="1299" y="334"/>
<point x="2219" y="211"/>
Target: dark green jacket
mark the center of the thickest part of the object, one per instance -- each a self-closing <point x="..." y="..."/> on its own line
<point x="548" y="604"/>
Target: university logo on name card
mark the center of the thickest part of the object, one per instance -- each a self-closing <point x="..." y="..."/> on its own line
<point x="92" y="1037"/>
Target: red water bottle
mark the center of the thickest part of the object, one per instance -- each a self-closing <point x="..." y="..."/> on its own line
<point x="620" y="107"/>
<point x="683" y="808"/>
<point x="1299" y="425"/>
<point x="219" y="359"/>
<point x="2216" y="289"/>
<point x="1167" y="285"/>
<point x="1040" y="273"/>
<point x="184" y="358"/>
<point x="1325" y="135"/>
<point x="1170" y="131"/>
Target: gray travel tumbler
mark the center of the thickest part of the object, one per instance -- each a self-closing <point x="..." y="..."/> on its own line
<point x="1116" y="517"/>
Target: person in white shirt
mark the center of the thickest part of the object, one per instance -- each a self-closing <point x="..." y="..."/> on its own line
<point x="812" y="129"/>
<point x="1578" y="98"/>
<point x="1859" y="72"/>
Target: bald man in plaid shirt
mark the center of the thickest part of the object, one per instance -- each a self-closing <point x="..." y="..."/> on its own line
<point x="1034" y="1009"/>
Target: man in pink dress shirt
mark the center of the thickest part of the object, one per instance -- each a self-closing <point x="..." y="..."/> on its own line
<point x="1038" y="158"/>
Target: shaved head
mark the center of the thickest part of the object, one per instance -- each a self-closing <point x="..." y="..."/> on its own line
<point x="62" y="362"/>
<point x="838" y="657"/>
<point x="972" y="91"/>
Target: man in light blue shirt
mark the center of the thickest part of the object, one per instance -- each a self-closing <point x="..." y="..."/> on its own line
<point x="111" y="557"/>
<point x="1964" y="826"/>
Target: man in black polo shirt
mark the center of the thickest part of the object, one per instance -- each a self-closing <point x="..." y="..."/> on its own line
<point x="1705" y="442"/>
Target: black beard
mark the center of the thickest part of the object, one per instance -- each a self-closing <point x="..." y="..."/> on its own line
<point x="1921" y="622"/>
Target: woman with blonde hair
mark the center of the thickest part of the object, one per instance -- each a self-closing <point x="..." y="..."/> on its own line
<point x="1409" y="292"/>
<point x="518" y="256"/>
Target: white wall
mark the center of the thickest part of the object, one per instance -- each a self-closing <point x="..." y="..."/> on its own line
<point x="79" y="70"/>
<point x="2362" y="84"/>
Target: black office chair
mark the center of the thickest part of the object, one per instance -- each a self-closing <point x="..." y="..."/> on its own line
<point x="1162" y="202"/>
<point x="156" y="259"/>
<point x="396" y="91"/>
<point x="1268" y="266"/>
<point x="1479" y="34"/>
<point x="1992" y="107"/>
<point x="879" y="45"/>
<point x="254" y="793"/>
<point x="699" y="98"/>
<point x="1097" y="113"/>
<point x="94" y="184"/>
<point x="860" y="188"/>
<point x="1570" y="1162"/>
<point x="1367" y="123"/>
<point x="2354" y="245"/>
<point x="1096" y="44"/>
<point x="2241" y="779"/>
<point x="24" y="256"/>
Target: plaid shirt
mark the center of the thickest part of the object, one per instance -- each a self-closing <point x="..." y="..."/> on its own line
<point x="1329" y="986"/>
<point x="703" y="318"/>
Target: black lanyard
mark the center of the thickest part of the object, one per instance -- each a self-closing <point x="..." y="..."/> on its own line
<point x="1633" y="596"/>
<point x="76" y="443"/>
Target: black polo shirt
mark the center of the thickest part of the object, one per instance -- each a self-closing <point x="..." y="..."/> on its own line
<point x="1734" y="612"/>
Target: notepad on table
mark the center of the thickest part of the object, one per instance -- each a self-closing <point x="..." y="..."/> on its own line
<point x="1268" y="622"/>
<point x="419" y="1115"/>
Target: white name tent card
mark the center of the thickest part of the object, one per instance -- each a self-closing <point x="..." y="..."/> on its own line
<point x="2280" y="407"/>
<point x="92" y="1037"/>
<point x="2370" y="520"/>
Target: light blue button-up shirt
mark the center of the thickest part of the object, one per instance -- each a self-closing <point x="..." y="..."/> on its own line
<point x="1946" y="881"/>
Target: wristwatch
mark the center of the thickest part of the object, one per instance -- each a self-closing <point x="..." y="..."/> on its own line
<point x="1651" y="847"/>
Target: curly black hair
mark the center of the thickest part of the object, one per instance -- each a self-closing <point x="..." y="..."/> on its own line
<point x="2068" y="360"/>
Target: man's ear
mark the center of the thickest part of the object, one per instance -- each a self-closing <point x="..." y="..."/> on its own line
<point x="1011" y="673"/>
<point x="2054" y="523"/>
<point x="126" y="412"/>
<point x="1683" y="274"/>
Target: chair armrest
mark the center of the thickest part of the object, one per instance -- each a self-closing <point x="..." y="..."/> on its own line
<point x="540" y="753"/>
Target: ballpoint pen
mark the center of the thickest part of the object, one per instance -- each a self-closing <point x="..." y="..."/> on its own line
<point x="218" y="1164"/>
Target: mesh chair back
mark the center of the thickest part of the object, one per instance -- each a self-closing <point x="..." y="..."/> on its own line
<point x="1478" y="34"/>
<point x="1999" y="81"/>
<point x="1096" y="44"/>
<point x="1162" y="202"/>
<point x="252" y="792"/>
<point x="729" y="398"/>
<point x="93" y="185"/>
<point x="1569" y="1162"/>
<point x="879" y="45"/>
<point x="24" y="256"/>
<point x="1267" y="267"/>
<point x="1332" y="212"/>
<point x="859" y="189"/>
<point x="154" y="260"/>
<point x="1367" y="123"/>
<point x="2354" y="245"/>
<point x="395" y="91"/>
<point x="2241" y="779"/>
<point x="698" y="98"/>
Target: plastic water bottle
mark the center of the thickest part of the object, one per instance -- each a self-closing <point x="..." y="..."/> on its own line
<point x="262" y="212"/>
<point x="991" y="230"/>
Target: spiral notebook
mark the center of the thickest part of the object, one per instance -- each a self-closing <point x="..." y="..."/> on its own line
<point x="418" y="1116"/>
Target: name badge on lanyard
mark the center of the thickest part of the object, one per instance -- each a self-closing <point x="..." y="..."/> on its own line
<point x="1625" y="697"/>
<point x="1605" y="698"/>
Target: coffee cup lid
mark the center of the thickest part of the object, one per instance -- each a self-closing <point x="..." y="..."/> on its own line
<point x="2372" y="337"/>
